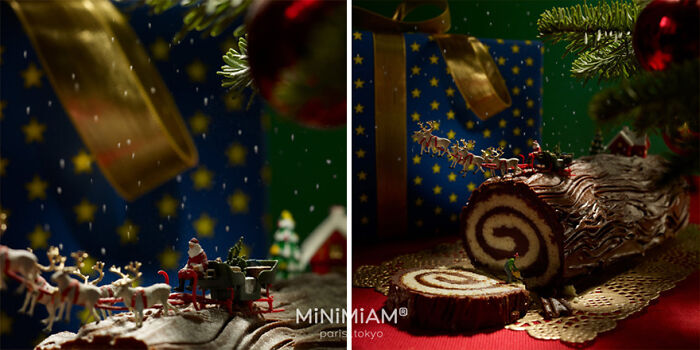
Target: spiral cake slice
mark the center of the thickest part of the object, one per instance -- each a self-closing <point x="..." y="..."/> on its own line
<point x="563" y="227"/>
<point x="454" y="300"/>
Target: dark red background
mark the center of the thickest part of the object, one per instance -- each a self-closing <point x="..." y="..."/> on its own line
<point x="670" y="322"/>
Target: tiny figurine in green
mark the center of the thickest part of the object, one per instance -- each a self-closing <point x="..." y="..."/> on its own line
<point x="511" y="269"/>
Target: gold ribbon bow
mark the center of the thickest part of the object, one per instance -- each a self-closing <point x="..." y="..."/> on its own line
<point x="473" y="70"/>
<point x="114" y="96"/>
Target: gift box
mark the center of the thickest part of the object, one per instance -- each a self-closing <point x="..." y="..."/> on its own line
<point x="58" y="189"/>
<point x="397" y="191"/>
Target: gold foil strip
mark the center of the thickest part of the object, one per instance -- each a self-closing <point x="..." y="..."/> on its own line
<point x="114" y="96"/>
<point x="596" y="310"/>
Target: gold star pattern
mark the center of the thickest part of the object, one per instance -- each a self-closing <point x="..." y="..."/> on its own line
<point x="360" y="130"/>
<point x="450" y="115"/>
<point x="416" y="159"/>
<point x="415" y="116"/>
<point x="199" y="123"/>
<point x="415" y="70"/>
<point x="516" y="112"/>
<point x="469" y="124"/>
<point x="202" y="178"/>
<point x="450" y="92"/>
<point x="225" y="45"/>
<point x="434" y="81"/>
<point x="357" y="36"/>
<point x="169" y="258"/>
<point x="529" y="82"/>
<point x="238" y="202"/>
<point x="471" y="187"/>
<point x="515" y="70"/>
<point x="433" y="59"/>
<point x="530" y="122"/>
<point x="500" y="41"/>
<point x="530" y="142"/>
<point x="453" y="217"/>
<point x="487" y="133"/>
<point x="128" y="232"/>
<point x="415" y="93"/>
<point x="438" y="210"/>
<point x="204" y="226"/>
<point x="516" y="151"/>
<point x="502" y="123"/>
<point x="487" y="174"/>
<point x="434" y="105"/>
<point x="437" y="189"/>
<point x="436" y="168"/>
<point x="451" y="134"/>
<point x="36" y="189"/>
<point x="452" y="177"/>
<point x="167" y="206"/>
<point x="85" y="211"/>
<point x="358" y="59"/>
<point x="419" y="201"/>
<point x="197" y="71"/>
<point x="5" y="323"/>
<point x="362" y="175"/>
<point x="453" y="198"/>
<point x="515" y="48"/>
<point x="359" y="108"/>
<point x="363" y="198"/>
<point x="360" y="153"/>
<point x="417" y="180"/>
<point x="419" y="223"/>
<point x="236" y="154"/>
<point x="3" y="104"/>
<point x="516" y="91"/>
<point x="364" y="220"/>
<point x="33" y="131"/>
<point x="4" y="162"/>
<point x="530" y="103"/>
<point x="529" y="61"/>
<point x="415" y="47"/>
<point x="516" y="131"/>
<point x="38" y="238"/>
<point x="233" y="101"/>
<point x="501" y="61"/>
<point x="160" y="49"/>
<point x="359" y="83"/>
<point x="32" y="76"/>
<point x="82" y="162"/>
<point x="503" y="143"/>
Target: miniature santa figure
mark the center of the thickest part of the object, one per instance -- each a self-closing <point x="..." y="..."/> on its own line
<point x="196" y="261"/>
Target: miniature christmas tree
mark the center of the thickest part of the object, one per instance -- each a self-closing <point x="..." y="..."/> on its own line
<point x="285" y="248"/>
<point x="597" y="146"/>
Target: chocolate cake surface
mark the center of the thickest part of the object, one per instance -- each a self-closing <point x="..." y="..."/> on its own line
<point x="215" y="328"/>
<point x="454" y="300"/>
<point x="563" y="226"/>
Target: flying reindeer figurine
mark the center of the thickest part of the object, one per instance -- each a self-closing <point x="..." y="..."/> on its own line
<point x="425" y="138"/>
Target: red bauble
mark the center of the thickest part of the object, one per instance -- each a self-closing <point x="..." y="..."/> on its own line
<point x="296" y="51"/>
<point x="667" y="32"/>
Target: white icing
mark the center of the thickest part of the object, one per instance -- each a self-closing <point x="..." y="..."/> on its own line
<point x="483" y="286"/>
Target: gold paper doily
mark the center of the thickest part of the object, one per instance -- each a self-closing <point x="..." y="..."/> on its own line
<point x="596" y="309"/>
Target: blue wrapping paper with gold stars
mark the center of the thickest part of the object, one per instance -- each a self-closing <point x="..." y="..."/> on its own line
<point x="434" y="193"/>
<point x="54" y="193"/>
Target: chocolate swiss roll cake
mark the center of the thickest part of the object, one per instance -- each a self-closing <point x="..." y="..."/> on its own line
<point x="563" y="226"/>
<point x="454" y="300"/>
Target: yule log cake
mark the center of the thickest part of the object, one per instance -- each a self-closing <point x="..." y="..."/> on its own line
<point x="454" y="300"/>
<point x="564" y="226"/>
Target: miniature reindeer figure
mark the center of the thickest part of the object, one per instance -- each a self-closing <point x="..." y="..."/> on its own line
<point x="422" y="137"/>
<point x="438" y="145"/>
<point x="74" y="292"/>
<point x="505" y="164"/>
<point x="13" y="261"/>
<point x="110" y="290"/>
<point x="139" y="298"/>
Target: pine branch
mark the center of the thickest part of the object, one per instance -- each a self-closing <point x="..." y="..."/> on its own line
<point x="236" y="70"/>
<point x="211" y="17"/>
<point x="661" y="100"/>
<point x="601" y="34"/>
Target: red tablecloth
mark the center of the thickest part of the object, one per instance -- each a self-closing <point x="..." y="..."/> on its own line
<point x="670" y="322"/>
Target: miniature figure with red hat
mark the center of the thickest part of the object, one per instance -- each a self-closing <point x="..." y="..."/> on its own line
<point x="196" y="261"/>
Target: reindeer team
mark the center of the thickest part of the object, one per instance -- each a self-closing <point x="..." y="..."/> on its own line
<point x="23" y="265"/>
<point x="461" y="153"/>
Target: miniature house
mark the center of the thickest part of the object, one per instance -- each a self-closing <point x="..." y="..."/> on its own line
<point x="629" y="143"/>
<point x="325" y="248"/>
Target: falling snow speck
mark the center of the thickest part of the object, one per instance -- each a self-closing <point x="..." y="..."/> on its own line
<point x="62" y="163"/>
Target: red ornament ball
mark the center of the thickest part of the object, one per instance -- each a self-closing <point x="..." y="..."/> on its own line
<point x="666" y="32"/>
<point x="296" y="51"/>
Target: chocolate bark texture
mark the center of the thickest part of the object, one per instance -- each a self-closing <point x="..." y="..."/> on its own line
<point x="450" y="300"/>
<point x="214" y="328"/>
<point x="565" y="226"/>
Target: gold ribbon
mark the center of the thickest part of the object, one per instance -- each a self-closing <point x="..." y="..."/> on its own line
<point x="114" y="96"/>
<point x="475" y="74"/>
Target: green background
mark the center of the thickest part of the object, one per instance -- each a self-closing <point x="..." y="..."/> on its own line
<point x="565" y="117"/>
<point x="307" y="171"/>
